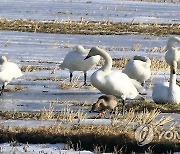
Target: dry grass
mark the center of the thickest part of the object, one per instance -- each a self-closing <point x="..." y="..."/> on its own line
<point x="100" y="138"/>
<point x="46" y="79"/>
<point x="145" y="117"/>
<point x="156" y="49"/>
<point x="46" y="114"/>
<point x="66" y="84"/>
<point x="31" y="68"/>
<point x="157" y="64"/>
<point x="88" y="27"/>
<point x="136" y="47"/>
<point x="93" y="137"/>
<point x="49" y="113"/>
<point x="66" y="115"/>
<point x="141" y="105"/>
<point x="14" y="89"/>
<point x="74" y="103"/>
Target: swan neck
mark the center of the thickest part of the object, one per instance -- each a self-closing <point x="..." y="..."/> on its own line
<point x="108" y="62"/>
<point x="170" y="44"/>
<point x="149" y="62"/>
<point x="172" y="82"/>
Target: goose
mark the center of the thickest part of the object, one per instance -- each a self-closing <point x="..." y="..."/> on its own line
<point x="173" y="53"/>
<point x="138" y="68"/>
<point x="8" y="72"/>
<point x="113" y="82"/>
<point x="167" y="92"/>
<point x="74" y="61"/>
<point x="105" y="102"/>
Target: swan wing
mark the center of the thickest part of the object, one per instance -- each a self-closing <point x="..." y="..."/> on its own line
<point x="138" y="86"/>
<point x="9" y="71"/>
<point x="116" y="83"/>
<point x="74" y="61"/>
<point x="137" y="70"/>
<point x="13" y="70"/>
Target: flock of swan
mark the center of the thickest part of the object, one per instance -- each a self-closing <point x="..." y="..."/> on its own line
<point x="125" y="84"/>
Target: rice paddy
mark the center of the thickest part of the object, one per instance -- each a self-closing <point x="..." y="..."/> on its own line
<point x="43" y="107"/>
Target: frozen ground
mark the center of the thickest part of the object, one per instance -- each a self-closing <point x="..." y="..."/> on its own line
<point x="28" y="48"/>
<point x="48" y="51"/>
<point x="119" y="11"/>
<point x="8" y="148"/>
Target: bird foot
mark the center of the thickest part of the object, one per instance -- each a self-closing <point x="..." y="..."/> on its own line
<point x="86" y="85"/>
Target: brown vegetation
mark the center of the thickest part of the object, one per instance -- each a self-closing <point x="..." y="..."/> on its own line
<point x="89" y="27"/>
<point x="86" y="137"/>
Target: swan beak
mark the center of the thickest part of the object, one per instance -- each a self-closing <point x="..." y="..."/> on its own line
<point x="87" y="57"/>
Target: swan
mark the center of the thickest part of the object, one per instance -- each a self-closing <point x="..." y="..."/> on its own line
<point x="138" y="68"/>
<point x="74" y="61"/>
<point x="105" y="102"/>
<point x="8" y="72"/>
<point x="113" y="82"/>
<point x="167" y="92"/>
<point x="173" y="53"/>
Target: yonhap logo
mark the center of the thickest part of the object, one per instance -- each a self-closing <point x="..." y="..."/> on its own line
<point x="144" y="135"/>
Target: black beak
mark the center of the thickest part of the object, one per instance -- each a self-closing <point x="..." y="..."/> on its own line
<point x="174" y="72"/>
<point x="173" y="69"/>
<point x="87" y="57"/>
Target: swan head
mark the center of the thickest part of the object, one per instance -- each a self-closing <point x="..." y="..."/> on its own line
<point x="143" y="58"/>
<point x="80" y="49"/>
<point x="174" y="39"/>
<point x="3" y="59"/>
<point x="100" y="101"/>
<point x="93" y="52"/>
<point x="95" y="106"/>
<point x="171" y="41"/>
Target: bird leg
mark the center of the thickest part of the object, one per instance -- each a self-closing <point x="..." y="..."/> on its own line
<point x="123" y="107"/>
<point x="85" y="77"/>
<point x="2" y="89"/>
<point x="71" y="75"/>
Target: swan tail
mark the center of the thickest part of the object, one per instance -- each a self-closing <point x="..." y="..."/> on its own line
<point x="171" y="41"/>
<point x="61" y="66"/>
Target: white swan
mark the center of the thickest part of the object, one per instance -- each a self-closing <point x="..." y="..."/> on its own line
<point x="168" y="92"/>
<point x="113" y="82"/>
<point x="74" y="61"/>
<point x="138" y="69"/>
<point x="173" y="53"/>
<point x="8" y="72"/>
